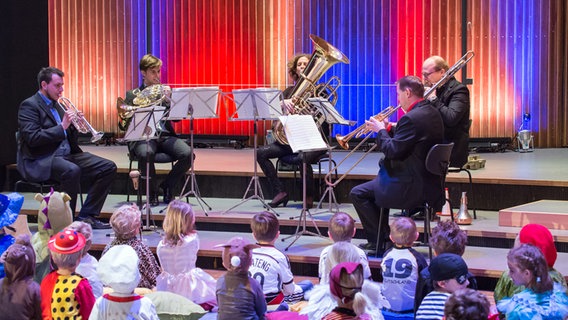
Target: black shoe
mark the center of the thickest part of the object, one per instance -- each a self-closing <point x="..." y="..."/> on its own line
<point x="280" y="198"/>
<point x="95" y="224"/>
<point x="368" y="246"/>
<point x="167" y="193"/>
<point x="154" y="200"/>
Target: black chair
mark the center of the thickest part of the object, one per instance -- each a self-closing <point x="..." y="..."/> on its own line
<point x="292" y="162"/>
<point x="437" y="162"/>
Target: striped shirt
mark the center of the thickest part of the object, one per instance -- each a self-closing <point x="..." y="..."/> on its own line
<point x="432" y="306"/>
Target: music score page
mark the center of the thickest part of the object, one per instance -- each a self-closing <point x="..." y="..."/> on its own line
<point x="302" y="133"/>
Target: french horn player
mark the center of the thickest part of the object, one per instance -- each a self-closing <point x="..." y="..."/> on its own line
<point x="151" y="93"/>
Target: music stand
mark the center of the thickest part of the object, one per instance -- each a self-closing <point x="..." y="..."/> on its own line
<point x="143" y="127"/>
<point x="256" y="104"/>
<point x="195" y="103"/>
<point x="303" y="136"/>
<point x="331" y="117"/>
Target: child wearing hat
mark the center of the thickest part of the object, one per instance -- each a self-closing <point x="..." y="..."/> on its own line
<point x="10" y="206"/>
<point x="540" y="237"/>
<point x="449" y="273"/>
<point x="238" y="295"/>
<point x="125" y="222"/>
<point x="118" y="269"/>
<point x="65" y="294"/>
<point x="19" y="293"/>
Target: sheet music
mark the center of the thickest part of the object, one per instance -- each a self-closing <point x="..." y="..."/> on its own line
<point x="143" y="123"/>
<point x="329" y="111"/>
<point x="302" y="133"/>
<point x="199" y="103"/>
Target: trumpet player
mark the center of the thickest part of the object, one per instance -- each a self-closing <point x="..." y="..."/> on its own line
<point x="402" y="180"/>
<point x="452" y="101"/>
<point x="48" y="149"/>
<point x="167" y="141"/>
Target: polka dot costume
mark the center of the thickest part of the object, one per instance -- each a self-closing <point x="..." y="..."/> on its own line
<point x="63" y="302"/>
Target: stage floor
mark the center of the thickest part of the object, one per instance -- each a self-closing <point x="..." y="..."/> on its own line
<point x="543" y="167"/>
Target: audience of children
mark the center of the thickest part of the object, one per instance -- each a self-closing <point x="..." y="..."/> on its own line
<point x="270" y="267"/>
<point x="125" y="223"/>
<point x="449" y="273"/>
<point x="88" y="265"/>
<point x="118" y="269"/>
<point x="401" y="266"/>
<point x="238" y="295"/>
<point x="541" y="298"/>
<point x="447" y="237"/>
<point x="341" y="228"/>
<point x="539" y="236"/>
<point x="177" y="253"/>
<point x="346" y="283"/>
<point x="19" y="293"/>
<point x="65" y="294"/>
<point x="467" y="304"/>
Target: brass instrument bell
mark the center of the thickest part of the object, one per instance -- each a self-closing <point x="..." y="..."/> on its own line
<point x="463" y="217"/>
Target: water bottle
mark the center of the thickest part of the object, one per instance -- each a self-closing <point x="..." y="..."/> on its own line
<point x="269" y="137"/>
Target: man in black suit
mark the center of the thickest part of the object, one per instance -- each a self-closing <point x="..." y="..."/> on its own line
<point x="403" y="181"/>
<point x="48" y="149"/>
<point x="452" y="101"/>
<point x="167" y="142"/>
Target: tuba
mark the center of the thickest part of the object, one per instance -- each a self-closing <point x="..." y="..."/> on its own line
<point x="324" y="56"/>
<point x="149" y="96"/>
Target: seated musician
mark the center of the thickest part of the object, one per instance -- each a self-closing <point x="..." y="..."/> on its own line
<point x="166" y="141"/>
<point x="277" y="149"/>
<point x="402" y="180"/>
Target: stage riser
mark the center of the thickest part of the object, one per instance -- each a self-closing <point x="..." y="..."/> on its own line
<point x="492" y="197"/>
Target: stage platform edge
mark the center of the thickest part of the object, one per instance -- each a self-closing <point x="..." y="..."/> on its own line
<point x="551" y="213"/>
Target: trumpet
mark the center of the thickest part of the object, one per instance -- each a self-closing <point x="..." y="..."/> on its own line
<point x="79" y="120"/>
<point x="362" y="130"/>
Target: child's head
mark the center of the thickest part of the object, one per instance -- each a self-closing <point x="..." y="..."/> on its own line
<point x="341" y="251"/>
<point x="447" y="237"/>
<point x="237" y="256"/>
<point x="179" y="221"/>
<point x="125" y="221"/>
<point x="18" y="260"/>
<point x="403" y="231"/>
<point x="539" y="236"/>
<point x="449" y="272"/>
<point x="118" y="269"/>
<point x="341" y="227"/>
<point x="527" y="267"/>
<point x="265" y="227"/>
<point x="66" y="248"/>
<point x="86" y="230"/>
<point x="466" y="304"/>
<point x="345" y="283"/>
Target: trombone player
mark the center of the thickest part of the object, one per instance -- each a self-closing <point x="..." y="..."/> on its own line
<point x="167" y="141"/>
<point x="452" y="101"/>
<point x="48" y="149"/>
<point x="402" y="180"/>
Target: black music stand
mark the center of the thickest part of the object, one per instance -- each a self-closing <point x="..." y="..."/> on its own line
<point x="303" y="136"/>
<point x="143" y="126"/>
<point x="256" y="104"/>
<point x="331" y="117"/>
<point x="195" y="103"/>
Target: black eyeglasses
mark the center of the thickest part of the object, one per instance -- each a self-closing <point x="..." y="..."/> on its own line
<point x="427" y="74"/>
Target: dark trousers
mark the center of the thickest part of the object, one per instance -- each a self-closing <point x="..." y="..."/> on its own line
<point x="363" y="199"/>
<point x="176" y="148"/>
<point x="87" y="170"/>
<point x="278" y="150"/>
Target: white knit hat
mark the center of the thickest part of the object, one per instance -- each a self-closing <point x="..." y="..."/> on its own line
<point x="118" y="269"/>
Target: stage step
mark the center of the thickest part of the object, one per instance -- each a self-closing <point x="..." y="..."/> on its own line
<point x="551" y="213"/>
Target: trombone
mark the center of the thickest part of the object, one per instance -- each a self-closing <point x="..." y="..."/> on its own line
<point x="79" y="120"/>
<point x="362" y="130"/>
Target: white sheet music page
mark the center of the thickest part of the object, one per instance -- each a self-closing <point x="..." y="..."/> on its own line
<point x="302" y="133"/>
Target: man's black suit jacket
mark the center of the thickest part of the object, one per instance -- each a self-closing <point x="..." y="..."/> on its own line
<point x="453" y="103"/>
<point x="39" y="137"/>
<point x="403" y="181"/>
